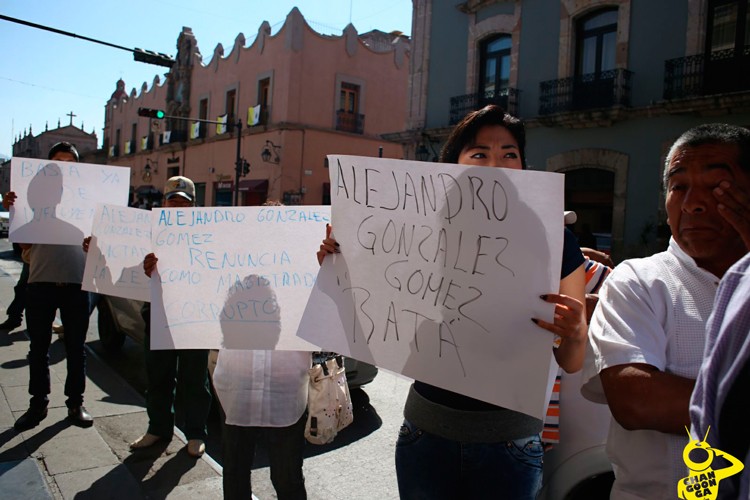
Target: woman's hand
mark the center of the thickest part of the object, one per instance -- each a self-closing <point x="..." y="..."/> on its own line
<point x="149" y="264"/>
<point x="86" y="243"/>
<point x="329" y="245"/>
<point x="570" y="318"/>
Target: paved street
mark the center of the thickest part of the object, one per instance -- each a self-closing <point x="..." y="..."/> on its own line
<point x="56" y="460"/>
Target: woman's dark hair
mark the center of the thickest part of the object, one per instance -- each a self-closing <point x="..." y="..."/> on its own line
<point x="63" y="147"/>
<point x="466" y="131"/>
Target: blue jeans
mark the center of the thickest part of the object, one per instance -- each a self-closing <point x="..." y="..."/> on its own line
<point x="43" y="300"/>
<point x="432" y="467"/>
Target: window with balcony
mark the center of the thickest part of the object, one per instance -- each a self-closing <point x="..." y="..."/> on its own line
<point x="494" y="80"/>
<point x="203" y="115"/>
<point x="348" y="117"/>
<point x="727" y="46"/>
<point x="133" y="139"/>
<point x="597" y="82"/>
<point x="596" y="37"/>
<point x="264" y="97"/>
<point x="230" y="106"/>
<point x="494" y="72"/>
<point x="116" y="146"/>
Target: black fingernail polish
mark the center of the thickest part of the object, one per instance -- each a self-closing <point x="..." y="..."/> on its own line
<point x="536" y="321"/>
<point x="543" y="297"/>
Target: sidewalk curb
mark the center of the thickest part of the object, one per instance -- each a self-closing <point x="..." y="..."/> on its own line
<point x="177" y="432"/>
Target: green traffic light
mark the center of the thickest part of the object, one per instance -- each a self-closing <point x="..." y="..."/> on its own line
<point x="159" y="114"/>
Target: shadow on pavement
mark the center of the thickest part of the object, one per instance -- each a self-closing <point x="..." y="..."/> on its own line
<point x="30" y="445"/>
<point x="366" y="421"/>
<point x="169" y="470"/>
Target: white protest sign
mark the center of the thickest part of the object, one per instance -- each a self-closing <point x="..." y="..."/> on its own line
<point x="56" y="200"/>
<point x="439" y="275"/>
<point x="120" y="239"/>
<point x="234" y="278"/>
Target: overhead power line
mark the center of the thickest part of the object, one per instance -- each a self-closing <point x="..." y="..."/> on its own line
<point x="139" y="55"/>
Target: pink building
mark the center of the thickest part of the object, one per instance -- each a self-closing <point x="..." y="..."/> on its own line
<point x="308" y="95"/>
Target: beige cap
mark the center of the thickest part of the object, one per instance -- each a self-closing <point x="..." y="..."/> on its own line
<point x="180" y="186"/>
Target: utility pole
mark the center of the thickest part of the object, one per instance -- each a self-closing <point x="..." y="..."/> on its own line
<point x="238" y="164"/>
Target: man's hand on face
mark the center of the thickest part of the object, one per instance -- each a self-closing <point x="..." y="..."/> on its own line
<point x="734" y="207"/>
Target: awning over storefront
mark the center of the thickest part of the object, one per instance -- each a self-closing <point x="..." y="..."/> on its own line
<point x="254" y="185"/>
<point x="147" y="190"/>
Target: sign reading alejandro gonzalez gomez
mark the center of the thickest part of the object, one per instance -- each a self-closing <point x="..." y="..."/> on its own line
<point x="439" y="275"/>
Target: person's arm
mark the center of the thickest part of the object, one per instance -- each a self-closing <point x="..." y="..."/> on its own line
<point x="597" y="256"/>
<point x="8" y="200"/>
<point x="149" y="264"/>
<point x="642" y="397"/>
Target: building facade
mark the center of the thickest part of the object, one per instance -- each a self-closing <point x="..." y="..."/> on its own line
<point x="299" y="96"/>
<point x="28" y="145"/>
<point x="604" y="86"/>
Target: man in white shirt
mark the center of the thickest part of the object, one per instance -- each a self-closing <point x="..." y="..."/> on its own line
<point x="648" y="332"/>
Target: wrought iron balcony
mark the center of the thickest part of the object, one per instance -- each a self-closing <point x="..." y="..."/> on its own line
<point x="594" y="90"/>
<point x="699" y="75"/>
<point x="350" y="122"/>
<point x="461" y="105"/>
<point x="174" y="136"/>
<point x="683" y="77"/>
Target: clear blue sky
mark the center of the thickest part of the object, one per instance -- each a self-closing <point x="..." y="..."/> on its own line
<point x="44" y="76"/>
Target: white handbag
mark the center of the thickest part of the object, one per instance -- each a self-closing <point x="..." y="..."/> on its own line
<point x="329" y="405"/>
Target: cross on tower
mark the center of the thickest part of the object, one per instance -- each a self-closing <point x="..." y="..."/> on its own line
<point x="71" y="115"/>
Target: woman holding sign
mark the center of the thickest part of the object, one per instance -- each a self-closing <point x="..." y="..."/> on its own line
<point x="454" y="446"/>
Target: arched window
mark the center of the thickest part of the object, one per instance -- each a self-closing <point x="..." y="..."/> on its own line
<point x="596" y="80"/>
<point x="596" y="38"/>
<point x="494" y="70"/>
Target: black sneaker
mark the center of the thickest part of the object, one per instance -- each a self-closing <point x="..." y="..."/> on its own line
<point x="30" y="419"/>
<point x="10" y="324"/>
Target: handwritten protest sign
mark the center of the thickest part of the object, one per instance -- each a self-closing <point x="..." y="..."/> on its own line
<point x="120" y="239"/>
<point x="439" y="275"/>
<point x="56" y="200"/>
<point x="236" y="278"/>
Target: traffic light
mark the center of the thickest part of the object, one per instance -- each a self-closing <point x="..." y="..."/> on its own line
<point x="245" y="167"/>
<point x="151" y="113"/>
<point x="150" y="57"/>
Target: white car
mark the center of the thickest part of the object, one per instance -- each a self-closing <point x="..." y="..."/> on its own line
<point x="4" y="222"/>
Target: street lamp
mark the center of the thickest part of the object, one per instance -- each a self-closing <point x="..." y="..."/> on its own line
<point x="270" y="153"/>
<point x="149" y="169"/>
